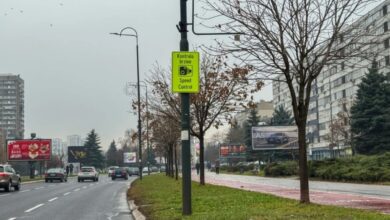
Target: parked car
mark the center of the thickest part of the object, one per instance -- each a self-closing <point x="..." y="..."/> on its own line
<point x="56" y="174"/>
<point x="88" y="173"/>
<point x="145" y="170"/>
<point x="133" y="171"/>
<point x="120" y="172"/>
<point x="111" y="170"/>
<point x="9" y="178"/>
<point x="154" y="169"/>
<point x="162" y="168"/>
<point x="277" y="138"/>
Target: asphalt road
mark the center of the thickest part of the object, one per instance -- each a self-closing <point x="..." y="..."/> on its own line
<point x="105" y="199"/>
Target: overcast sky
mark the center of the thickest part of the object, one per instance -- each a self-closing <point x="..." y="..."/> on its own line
<point x="74" y="71"/>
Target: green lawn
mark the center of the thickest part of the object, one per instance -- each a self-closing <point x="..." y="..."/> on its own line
<point x="159" y="197"/>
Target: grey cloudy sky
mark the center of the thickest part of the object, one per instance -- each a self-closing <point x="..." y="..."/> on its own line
<point x="74" y="71"/>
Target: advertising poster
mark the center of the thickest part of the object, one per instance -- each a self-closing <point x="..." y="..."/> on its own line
<point x="29" y="150"/>
<point x="274" y="137"/>
<point x="129" y="157"/>
<point x="77" y="154"/>
<point x="232" y="151"/>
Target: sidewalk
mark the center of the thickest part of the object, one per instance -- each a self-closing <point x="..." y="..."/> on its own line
<point x="288" y="188"/>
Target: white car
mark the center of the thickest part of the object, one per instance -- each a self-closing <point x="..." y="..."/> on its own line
<point x="111" y="170"/>
<point x="88" y="173"/>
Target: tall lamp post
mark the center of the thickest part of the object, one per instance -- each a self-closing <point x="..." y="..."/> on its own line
<point x="138" y="94"/>
<point x="147" y="122"/>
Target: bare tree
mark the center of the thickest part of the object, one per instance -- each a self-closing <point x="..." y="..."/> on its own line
<point x="223" y="90"/>
<point x="291" y="41"/>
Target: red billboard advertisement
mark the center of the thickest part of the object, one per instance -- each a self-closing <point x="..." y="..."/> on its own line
<point x="232" y="150"/>
<point x="29" y="150"/>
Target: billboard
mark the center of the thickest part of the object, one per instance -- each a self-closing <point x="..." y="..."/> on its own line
<point x="274" y="137"/>
<point x="232" y="151"/>
<point x="129" y="157"/>
<point x="29" y="150"/>
<point x="77" y="154"/>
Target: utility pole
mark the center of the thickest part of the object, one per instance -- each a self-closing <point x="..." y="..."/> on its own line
<point x="185" y="121"/>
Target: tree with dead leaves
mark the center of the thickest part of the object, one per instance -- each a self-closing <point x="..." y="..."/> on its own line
<point x="223" y="90"/>
<point x="291" y="41"/>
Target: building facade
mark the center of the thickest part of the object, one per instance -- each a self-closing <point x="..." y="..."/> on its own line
<point x="334" y="90"/>
<point x="12" y="105"/>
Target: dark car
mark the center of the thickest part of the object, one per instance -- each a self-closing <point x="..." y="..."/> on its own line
<point x="56" y="174"/>
<point x="9" y="178"/>
<point x="133" y="171"/>
<point x="277" y="138"/>
<point x="120" y="172"/>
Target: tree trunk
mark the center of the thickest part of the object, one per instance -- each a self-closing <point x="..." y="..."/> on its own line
<point x="303" y="173"/>
<point x="201" y="158"/>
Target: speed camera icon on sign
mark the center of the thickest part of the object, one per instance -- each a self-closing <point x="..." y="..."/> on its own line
<point x="185" y="71"/>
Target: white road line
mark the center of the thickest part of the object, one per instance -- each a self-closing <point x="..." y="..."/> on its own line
<point x="39" y="187"/>
<point x="35" y="207"/>
<point x="51" y="200"/>
<point x="65" y="194"/>
<point x="13" y="218"/>
<point x="84" y="187"/>
<point x="76" y="189"/>
<point x="25" y="190"/>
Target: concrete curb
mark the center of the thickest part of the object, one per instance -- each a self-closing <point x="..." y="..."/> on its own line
<point x="137" y="215"/>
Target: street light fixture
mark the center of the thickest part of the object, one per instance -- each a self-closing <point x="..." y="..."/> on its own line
<point x="138" y="94"/>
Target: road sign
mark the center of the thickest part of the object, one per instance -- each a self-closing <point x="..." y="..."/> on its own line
<point x="185" y="72"/>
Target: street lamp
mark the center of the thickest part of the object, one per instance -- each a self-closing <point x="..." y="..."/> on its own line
<point x="147" y="121"/>
<point x="138" y="94"/>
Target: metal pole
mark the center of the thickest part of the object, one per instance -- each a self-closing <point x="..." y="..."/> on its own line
<point x="185" y="120"/>
<point x="147" y="129"/>
<point x="139" y="117"/>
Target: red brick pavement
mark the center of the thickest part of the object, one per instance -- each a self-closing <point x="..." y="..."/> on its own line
<point x="319" y="197"/>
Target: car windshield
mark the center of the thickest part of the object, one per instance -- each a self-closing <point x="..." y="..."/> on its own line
<point x="86" y="169"/>
<point x="1" y="169"/>
<point x="55" y="170"/>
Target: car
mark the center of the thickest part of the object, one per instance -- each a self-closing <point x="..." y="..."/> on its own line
<point x="146" y="170"/>
<point x="56" y="174"/>
<point x="88" y="173"/>
<point x="154" y="169"/>
<point x="163" y="168"/>
<point x="111" y="170"/>
<point x="133" y="171"/>
<point x="277" y="138"/>
<point x="9" y="178"/>
<point x="120" y="172"/>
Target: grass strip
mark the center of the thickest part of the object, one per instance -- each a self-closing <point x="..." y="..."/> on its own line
<point x="159" y="197"/>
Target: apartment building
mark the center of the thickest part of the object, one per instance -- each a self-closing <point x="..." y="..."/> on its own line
<point x="12" y="105"/>
<point x="335" y="88"/>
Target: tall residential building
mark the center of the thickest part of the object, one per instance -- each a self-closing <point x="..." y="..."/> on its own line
<point x="12" y="105"/>
<point x="58" y="147"/>
<point x="264" y="110"/>
<point x="75" y="140"/>
<point x="335" y="88"/>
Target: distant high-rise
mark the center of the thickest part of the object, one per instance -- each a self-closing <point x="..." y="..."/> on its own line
<point x="12" y="105"/>
<point x="75" y="140"/>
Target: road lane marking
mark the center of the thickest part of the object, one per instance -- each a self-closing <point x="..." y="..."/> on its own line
<point x="76" y="189"/>
<point x="13" y="218"/>
<point x="25" y="190"/>
<point x="65" y="194"/>
<point x="51" y="200"/>
<point x="39" y="187"/>
<point x="84" y="187"/>
<point x="35" y="207"/>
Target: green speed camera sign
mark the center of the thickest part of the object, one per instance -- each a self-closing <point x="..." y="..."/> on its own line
<point x="185" y="72"/>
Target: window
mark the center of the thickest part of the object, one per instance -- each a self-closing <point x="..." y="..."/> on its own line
<point x="386" y="43"/>
<point x="385" y="27"/>
<point x="387" y="60"/>
<point x="384" y="10"/>
<point x="342" y="65"/>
